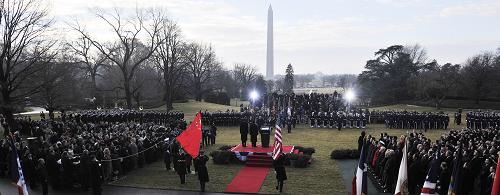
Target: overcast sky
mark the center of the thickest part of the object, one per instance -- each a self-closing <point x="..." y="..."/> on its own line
<point x="328" y="36"/>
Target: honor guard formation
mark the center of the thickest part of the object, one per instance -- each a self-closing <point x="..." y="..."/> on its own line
<point x="482" y="120"/>
<point x="339" y="120"/>
<point x="410" y="120"/>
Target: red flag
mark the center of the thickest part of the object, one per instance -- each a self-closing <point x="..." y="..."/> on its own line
<point x="190" y="139"/>
<point x="495" y="190"/>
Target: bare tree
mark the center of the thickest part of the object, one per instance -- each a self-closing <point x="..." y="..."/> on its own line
<point x="144" y="84"/>
<point x="244" y="75"/>
<point x="477" y="73"/>
<point x="168" y="59"/>
<point x="89" y="61"/>
<point x="418" y="54"/>
<point x="24" y="50"/>
<point x="201" y="66"/>
<point x="56" y="80"/>
<point x="128" y="53"/>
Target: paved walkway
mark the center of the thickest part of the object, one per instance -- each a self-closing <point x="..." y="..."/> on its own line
<point x="6" y="188"/>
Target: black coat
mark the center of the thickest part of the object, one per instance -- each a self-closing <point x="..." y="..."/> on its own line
<point x="202" y="168"/>
<point x="180" y="167"/>
<point x="280" y="168"/>
<point x="243" y="128"/>
<point x="95" y="173"/>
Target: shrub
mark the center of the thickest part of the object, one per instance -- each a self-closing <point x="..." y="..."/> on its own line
<point x="222" y="157"/>
<point x="225" y="147"/>
<point x="292" y="156"/>
<point x="308" y="151"/>
<point x="302" y="161"/>
<point x="344" y="154"/>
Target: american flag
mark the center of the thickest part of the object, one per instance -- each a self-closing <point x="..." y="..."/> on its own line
<point x="430" y="183"/>
<point x="278" y="143"/>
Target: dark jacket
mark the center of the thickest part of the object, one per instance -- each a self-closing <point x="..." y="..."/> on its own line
<point x="180" y="167"/>
<point x="280" y="168"/>
<point x="200" y="164"/>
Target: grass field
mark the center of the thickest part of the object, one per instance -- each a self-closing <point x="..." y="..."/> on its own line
<point x="322" y="177"/>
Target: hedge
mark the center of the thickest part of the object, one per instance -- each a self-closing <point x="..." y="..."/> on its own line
<point x="344" y="154"/>
<point x="223" y="157"/>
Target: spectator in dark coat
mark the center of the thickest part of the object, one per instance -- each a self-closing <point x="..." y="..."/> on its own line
<point x="95" y="176"/>
<point x="43" y="176"/>
<point x="444" y="179"/>
<point x="361" y="141"/>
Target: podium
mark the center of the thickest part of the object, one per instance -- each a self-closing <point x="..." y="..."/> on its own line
<point x="264" y="136"/>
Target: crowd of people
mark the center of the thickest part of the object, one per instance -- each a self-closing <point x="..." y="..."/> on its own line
<point x="410" y="120"/>
<point x="480" y="120"/>
<point x="478" y="153"/>
<point x="305" y="103"/>
<point x="83" y="149"/>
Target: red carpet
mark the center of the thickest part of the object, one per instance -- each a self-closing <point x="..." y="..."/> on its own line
<point x="259" y="149"/>
<point x="248" y="180"/>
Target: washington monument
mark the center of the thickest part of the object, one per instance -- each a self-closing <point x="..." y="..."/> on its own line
<point x="270" y="47"/>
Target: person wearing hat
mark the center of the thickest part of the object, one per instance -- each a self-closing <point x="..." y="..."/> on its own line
<point x="180" y="167"/>
<point x="201" y="168"/>
<point x="279" y="168"/>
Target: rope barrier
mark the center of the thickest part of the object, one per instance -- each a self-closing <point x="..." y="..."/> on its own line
<point x="121" y="158"/>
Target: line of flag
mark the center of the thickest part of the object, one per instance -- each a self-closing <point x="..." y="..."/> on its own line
<point x="359" y="186"/>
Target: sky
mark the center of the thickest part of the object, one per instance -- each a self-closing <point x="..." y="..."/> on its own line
<point x="327" y="36"/>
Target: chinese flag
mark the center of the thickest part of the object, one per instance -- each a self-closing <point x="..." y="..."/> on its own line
<point x="190" y="139"/>
<point x="495" y="190"/>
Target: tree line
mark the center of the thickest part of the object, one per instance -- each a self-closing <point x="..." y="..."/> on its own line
<point x="405" y="73"/>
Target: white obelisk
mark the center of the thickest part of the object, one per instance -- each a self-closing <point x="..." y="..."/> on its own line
<point x="270" y="47"/>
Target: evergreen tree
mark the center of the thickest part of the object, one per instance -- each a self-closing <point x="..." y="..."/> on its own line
<point x="288" y="82"/>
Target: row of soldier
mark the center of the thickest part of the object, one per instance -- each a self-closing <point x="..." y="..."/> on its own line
<point x="480" y="120"/>
<point x="65" y="150"/>
<point x="123" y="115"/>
<point x="416" y="120"/>
<point x="339" y="120"/>
<point x="478" y="151"/>
<point x="219" y="118"/>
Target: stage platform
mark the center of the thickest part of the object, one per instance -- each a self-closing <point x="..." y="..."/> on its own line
<point x="242" y="152"/>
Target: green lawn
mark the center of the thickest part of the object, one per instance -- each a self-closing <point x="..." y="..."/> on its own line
<point x="322" y="177"/>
